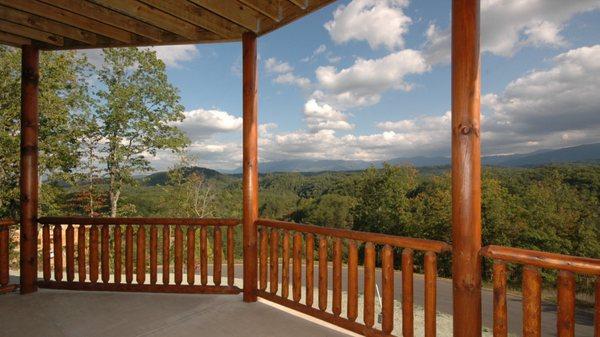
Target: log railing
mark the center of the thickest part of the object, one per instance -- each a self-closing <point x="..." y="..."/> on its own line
<point x="5" y="285"/>
<point x="567" y="266"/>
<point x="307" y="245"/>
<point x="129" y="254"/>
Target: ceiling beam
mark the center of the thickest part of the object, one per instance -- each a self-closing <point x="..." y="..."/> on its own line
<point x="108" y="16"/>
<point x="157" y="17"/>
<point x="70" y="18"/>
<point x="39" y="23"/>
<point x="14" y="40"/>
<point x="198" y="16"/>
<point x="237" y="13"/>
<point x="28" y="32"/>
<point x="269" y="8"/>
<point x="300" y="3"/>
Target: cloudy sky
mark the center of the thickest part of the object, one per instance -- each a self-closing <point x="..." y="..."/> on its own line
<point x="370" y="80"/>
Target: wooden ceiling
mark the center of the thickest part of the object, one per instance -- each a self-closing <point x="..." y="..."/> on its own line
<point x="79" y="24"/>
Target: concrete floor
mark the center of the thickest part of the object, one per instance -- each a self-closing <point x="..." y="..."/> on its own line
<point x="50" y="313"/>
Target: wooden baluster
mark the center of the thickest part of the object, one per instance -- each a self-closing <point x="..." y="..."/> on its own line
<point x="274" y="259"/>
<point x="94" y="254"/>
<point x="369" y="305"/>
<point x="191" y="255"/>
<point x="70" y="253"/>
<point x="203" y="256"/>
<point x="166" y="254"/>
<point x="352" y="280"/>
<point x="58" y="256"/>
<point x="310" y="269"/>
<point x="129" y="254"/>
<point x="500" y="309"/>
<point x="153" y="255"/>
<point x="178" y="255"/>
<point x="4" y="253"/>
<point x="263" y="247"/>
<point x="337" y="277"/>
<point x="81" y="270"/>
<point x="218" y="256"/>
<point x="285" y="266"/>
<point x="105" y="257"/>
<point x="118" y="260"/>
<point x="323" y="273"/>
<point x="565" y="322"/>
<point x="597" y="307"/>
<point x="297" y="267"/>
<point x="430" y="293"/>
<point x="46" y="252"/>
<point x="387" y="284"/>
<point x="407" y="293"/>
<point x="532" y="302"/>
<point x="230" y="257"/>
<point x="141" y="255"/>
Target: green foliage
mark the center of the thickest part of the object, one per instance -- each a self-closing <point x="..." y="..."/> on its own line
<point x="63" y="97"/>
<point x="137" y="108"/>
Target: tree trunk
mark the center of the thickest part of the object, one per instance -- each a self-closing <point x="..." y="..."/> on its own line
<point x="114" y="200"/>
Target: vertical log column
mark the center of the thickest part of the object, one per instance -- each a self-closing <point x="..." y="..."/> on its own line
<point x="29" y="168"/>
<point x="466" y="169"/>
<point x="250" y="165"/>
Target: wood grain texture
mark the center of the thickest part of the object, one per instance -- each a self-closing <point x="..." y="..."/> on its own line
<point x="532" y="302"/>
<point x="565" y="316"/>
<point x="466" y="169"/>
<point x="28" y="177"/>
<point x="500" y="320"/>
<point x="250" y="163"/>
<point x="369" y="291"/>
<point x="408" y="316"/>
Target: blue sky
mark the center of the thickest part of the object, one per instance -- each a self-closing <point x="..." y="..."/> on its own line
<point x="370" y="80"/>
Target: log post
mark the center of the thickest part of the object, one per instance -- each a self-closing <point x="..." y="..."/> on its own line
<point x="250" y="165"/>
<point x="466" y="169"/>
<point x="28" y="181"/>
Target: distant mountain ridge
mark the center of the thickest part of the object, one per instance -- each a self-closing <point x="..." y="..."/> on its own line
<point x="581" y="153"/>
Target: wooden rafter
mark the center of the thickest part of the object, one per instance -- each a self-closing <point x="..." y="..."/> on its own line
<point x="70" y="18"/>
<point x="80" y="24"/>
<point x="198" y="16"/>
<point x="234" y="12"/>
<point x="28" y="32"/>
<point x="42" y="24"/>
<point x="105" y="15"/>
<point x="269" y="8"/>
<point x="151" y="14"/>
<point x="300" y="3"/>
<point x="13" y="40"/>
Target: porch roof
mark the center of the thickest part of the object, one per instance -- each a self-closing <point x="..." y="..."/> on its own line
<point x="79" y="24"/>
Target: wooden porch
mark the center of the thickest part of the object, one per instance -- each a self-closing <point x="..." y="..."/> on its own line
<point x="301" y="267"/>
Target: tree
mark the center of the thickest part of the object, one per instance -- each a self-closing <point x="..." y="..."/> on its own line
<point x="137" y="108"/>
<point x="383" y="203"/>
<point x="63" y="96"/>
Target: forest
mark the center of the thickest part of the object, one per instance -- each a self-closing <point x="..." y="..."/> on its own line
<point x="101" y="124"/>
<point x="551" y="208"/>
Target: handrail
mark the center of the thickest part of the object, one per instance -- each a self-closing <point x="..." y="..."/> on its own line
<point x="574" y="264"/>
<point x="139" y="221"/>
<point x="376" y="238"/>
<point x="7" y="222"/>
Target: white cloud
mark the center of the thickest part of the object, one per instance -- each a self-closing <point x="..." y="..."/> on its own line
<point x="508" y="25"/>
<point x="290" y="78"/>
<point x="275" y="66"/>
<point x="174" y="56"/>
<point x="554" y="107"/>
<point x="365" y="81"/>
<point x="201" y="124"/>
<point x="285" y="73"/>
<point x="323" y="116"/>
<point x="378" y="22"/>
